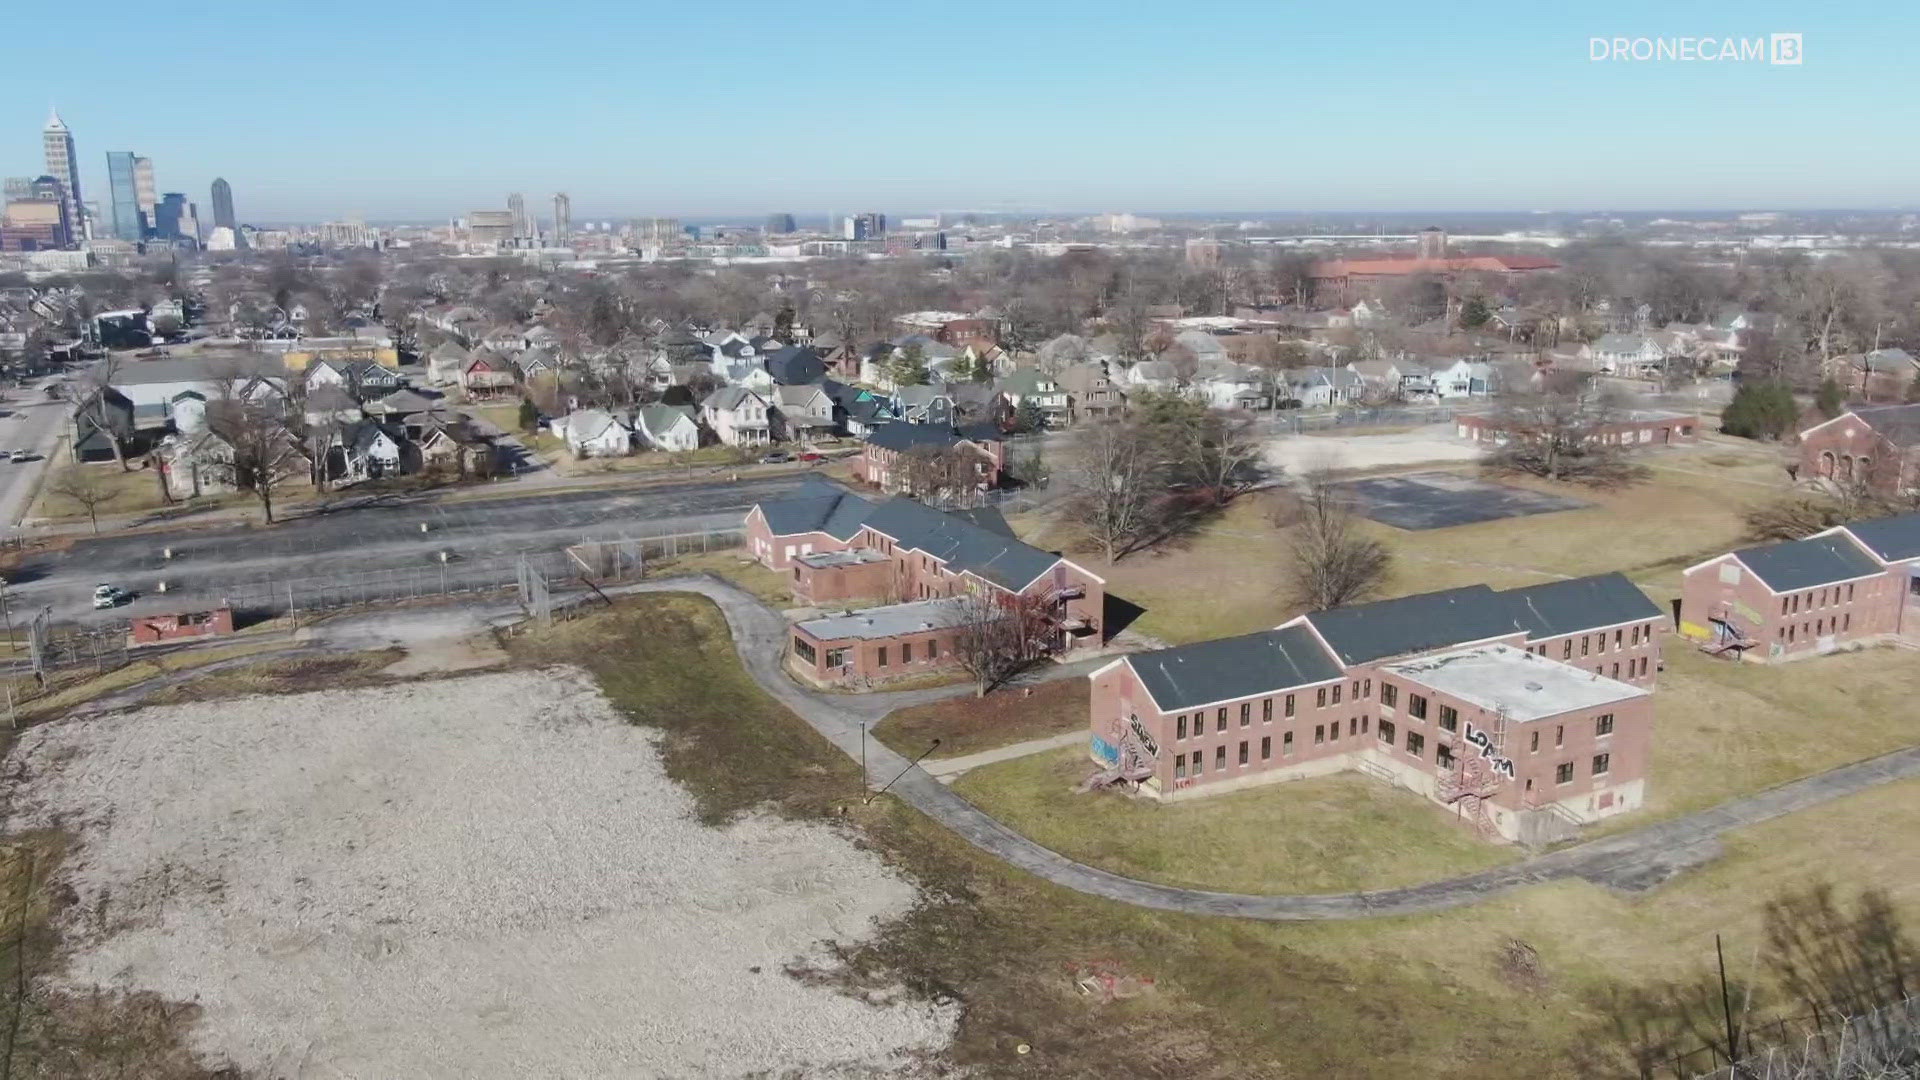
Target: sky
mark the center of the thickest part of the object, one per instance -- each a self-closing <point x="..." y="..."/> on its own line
<point x="417" y="110"/>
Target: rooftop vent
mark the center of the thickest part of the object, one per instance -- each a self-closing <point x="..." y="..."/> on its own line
<point x="1531" y="685"/>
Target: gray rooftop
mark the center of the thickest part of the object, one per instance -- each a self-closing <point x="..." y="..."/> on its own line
<point x="890" y="621"/>
<point x="850" y="557"/>
<point x="1500" y="677"/>
<point x="1894" y="539"/>
<point x="1411" y="624"/>
<point x="961" y="543"/>
<point x="1568" y="607"/>
<point x="1809" y="563"/>
<point x="837" y="513"/>
<point x="1225" y="669"/>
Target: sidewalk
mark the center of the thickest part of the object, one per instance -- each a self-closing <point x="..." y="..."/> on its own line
<point x="947" y="770"/>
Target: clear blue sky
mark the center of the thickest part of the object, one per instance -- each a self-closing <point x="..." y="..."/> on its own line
<point x="408" y="109"/>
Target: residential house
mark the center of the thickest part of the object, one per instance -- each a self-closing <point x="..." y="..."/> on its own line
<point x="1153" y="376"/>
<point x="1227" y="385"/>
<point x="801" y="413"/>
<point x="533" y="365"/>
<point x="857" y="410"/>
<point x="401" y="403"/>
<point x="362" y="378"/>
<point x="1461" y="378"/>
<point x="103" y="425"/>
<point x="1879" y="375"/>
<point x="369" y="450"/>
<point x="1029" y="386"/>
<point x="444" y="363"/>
<point x="1519" y="710"/>
<point x="594" y="433"/>
<point x="979" y="403"/>
<point x="796" y="365"/>
<point x="1631" y="355"/>
<point x="452" y="445"/>
<point x="925" y="404"/>
<point x="1322" y="387"/>
<point x="188" y="411"/>
<point x="487" y="375"/>
<point x="1848" y="587"/>
<point x="504" y="338"/>
<point x="667" y="427"/>
<point x="737" y="416"/>
<point x="197" y="463"/>
<point x="327" y="406"/>
<point x="1873" y="447"/>
<point x="1091" y="393"/>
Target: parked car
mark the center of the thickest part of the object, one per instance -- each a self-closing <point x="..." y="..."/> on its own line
<point x="812" y="456"/>
<point x="19" y="456"/>
<point x="777" y="457"/>
<point x="106" y="596"/>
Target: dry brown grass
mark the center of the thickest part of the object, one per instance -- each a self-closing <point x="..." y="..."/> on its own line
<point x="966" y="725"/>
<point x="291" y="675"/>
<point x="736" y="566"/>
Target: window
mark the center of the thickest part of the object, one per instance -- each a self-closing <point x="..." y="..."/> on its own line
<point x="906" y="652"/>
<point x="1363" y="723"/>
<point x="1220" y="757"/>
<point x="1336" y="693"/>
<point x="803" y="649"/>
<point x="837" y="658"/>
<point x="1180" y="766"/>
<point x="1846" y="621"/>
<point x="1319" y="734"/>
<point x="1535" y="748"/>
<point x="1559" y="734"/>
<point x="1417" y="706"/>
<point x="1449" y="718"/>
<point x="1849" y="594"/>
<point x="1600" y="646"/>
<point x="1180" y="726"/>
<point x="1783" y="605"/>
<point x="883" y="656"/>
<point x="1616" y="670"/>
<point x="1220" y="721"/>
<point x="1386" y="732"/>
<point x="1366" y="688"/>
<point x="1389" y="694"/>
<point x="1246" y="713"/>
<point x="1617" y="636"/>
<point x="1199" y="763"/>
<point x="1289" y="708"/>
<point x="1603" y="725"/>
<point x="1266" y="711"/>
<point x="1286" y="744"/>
<point x="1320" y="698"/>
<point x="933" y="649"/>
<point x="1583" y="644"/>
<point x="1563" y="773"/>
<point x="1353" y="725"/>
<point x="1243" y="751"/>
<point x="1356" y="689"/>
<point x="1266" y="747"/>
<point x="1601" y="763"/>
<point x="1416" y="743"/>
<point x="1443" y="756"/>
<point x="1566" y="649"/>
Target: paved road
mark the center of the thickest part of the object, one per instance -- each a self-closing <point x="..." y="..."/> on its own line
<point x="1633" y="860"/>
<point x="35" y="426"/>
<point x="378" y="534"/>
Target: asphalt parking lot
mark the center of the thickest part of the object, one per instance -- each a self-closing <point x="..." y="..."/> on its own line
<point x="1440" y="500"/>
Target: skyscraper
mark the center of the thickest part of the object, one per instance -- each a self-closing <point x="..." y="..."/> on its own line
<point x="562" y="216"/>
<point x="517" y="206"/>
<point x="126" y="202"/>
<point x="865" y="227"/>
<point x="223" y="206"/>
<point x="779" y="224"/>
<point x="144" y="192"/>
<point x="171" y="217"/>
<point x="64" y="167"/>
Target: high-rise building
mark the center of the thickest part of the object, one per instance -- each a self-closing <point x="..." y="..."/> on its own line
<point x="779" y="224"/>
<point x="490" y="227"/>
<point x="126" y="200"/>
<point x="63" y="166"/>
<point x="35" y="218"/>
<point x="517" y="206"/>
<point x="223" y="206"/>
<point x="562" y="216"/>
<point x="171" y="217"/>
<point x="865" y="227"/>
<point x="144" y="192"/>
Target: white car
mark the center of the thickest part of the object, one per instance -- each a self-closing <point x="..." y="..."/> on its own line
<point x="107" y="596"/>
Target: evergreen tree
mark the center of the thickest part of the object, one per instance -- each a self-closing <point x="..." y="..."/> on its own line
<point x="1474" y="313"/>
<point x="1760" y="411"/>
<point x="908" y="366"/>
<point x="1829" y="397"/>
<point x="529" y="416"/>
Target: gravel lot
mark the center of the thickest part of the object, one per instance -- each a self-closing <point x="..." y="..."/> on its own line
<point x="1434" y="442"/>
<point x="482" y="876"/>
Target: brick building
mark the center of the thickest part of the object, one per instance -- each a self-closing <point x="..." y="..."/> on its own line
<point x="1527" y="710"/>
<point x="1630" y="430"/>
<point x="1871" y="446"/>
<point x="1857" y="584"/>
<point x="838" y="548"/>
<point x="884" y="453"/>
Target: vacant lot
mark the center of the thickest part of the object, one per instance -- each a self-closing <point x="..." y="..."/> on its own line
<point x="1440" y="500"/>
<point x="1417" y="446"/>
<point x="1327" y="834"/>
<point x="966" y="725"/>
<point x="481" y="876"/>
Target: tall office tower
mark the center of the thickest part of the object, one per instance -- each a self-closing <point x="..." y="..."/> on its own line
<point x="64" y="167"/>
<point x="171" y="216"/>
<point x="865" y="227"/>
<point x="779" y="224"/>
<point x="490" y="227"/>
<point x="144" y="192"/>
<point x="223" y="206"/>
<point x="517" y="206"/>
<point x="562" y="216"/>
<point x="126" y="202"/>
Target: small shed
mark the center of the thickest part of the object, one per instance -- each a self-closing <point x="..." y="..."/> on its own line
<point x="151" y="629"/>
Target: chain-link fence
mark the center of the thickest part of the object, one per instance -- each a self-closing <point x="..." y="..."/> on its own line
<point x="1880" y="1045"/>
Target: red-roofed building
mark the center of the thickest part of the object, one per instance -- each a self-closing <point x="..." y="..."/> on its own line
<point x="1344" y="280"/>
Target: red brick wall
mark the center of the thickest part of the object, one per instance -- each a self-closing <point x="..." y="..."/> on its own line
<point x="1792" y="624"/>
<point x="151" y="628"/>
<point x="777" y="552"/>
<point x="1836" y="450"/>
<point x="826" y="585"/>
<point x="1629" y="653"/>
<point x="908" y="654"/>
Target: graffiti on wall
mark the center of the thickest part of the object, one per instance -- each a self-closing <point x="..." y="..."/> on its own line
<point x="1484" y="741"/>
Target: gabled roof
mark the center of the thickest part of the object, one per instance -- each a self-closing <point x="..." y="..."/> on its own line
<point x="448" y="351"/>
<point x="837" y="513"/>
<point x="1893" y="539"/>
<point x="796" y="365"/>
<point x="961" y="543"/>
<point x="1568" y="607"/>
<point x="585" y="425"/>
<point x="1808" y="564"/>
<point x="729" y="398"/>
<point x="1411" y="624"/>
<point x="660" y="418"/>
<point x="1898" y="424"/>
<point x="1236" y="667"/>
<point x="905" y="437"/>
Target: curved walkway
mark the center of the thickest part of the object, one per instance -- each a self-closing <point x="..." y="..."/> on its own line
<point x="1631" y="860"/>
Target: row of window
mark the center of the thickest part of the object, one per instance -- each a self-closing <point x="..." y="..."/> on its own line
<point x="1624" y="637"/>
<point x="1815" y="598"/>
<point x="1817" y="628"/>
<point x="838" y="656"/>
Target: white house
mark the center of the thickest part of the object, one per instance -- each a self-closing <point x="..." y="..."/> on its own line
<point x="1155" y="375"/>
<point x="667" y="427"/>
<point x="1628" y="354"/>
<point x="594" y="433"/>
<point x="737" y="416"/>
<point x="1319" y="387"/>
<point x="1461" y="378"/>
<point x="366" y="451"/>
<point x="197" y="463"/>
<point x="802" y="412"/>
<point x="1233" y="386"/>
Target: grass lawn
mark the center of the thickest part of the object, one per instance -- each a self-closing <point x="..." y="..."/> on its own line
<point x="966" y="725"/>
<point x="287" y="676"/>
<point x="735" y="565"/>
<point x="1426" y="996"/>
<point x="1326" y="834"/>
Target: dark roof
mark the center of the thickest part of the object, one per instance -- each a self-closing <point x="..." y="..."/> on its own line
<point x="1568" y="607"/>
<point x="1893" y="539"/>
<point x="905" y="437"/>
<point x="987" y="517"/>
<point x="1235" y="667"/>
<point x="837" y="513"/>
<point x="1898" y="424"/>
<point x="1412" y="624"/>
<point x="796" y="365"/>
<point x="1809" y="563"/>
<point x="961" y="543"/>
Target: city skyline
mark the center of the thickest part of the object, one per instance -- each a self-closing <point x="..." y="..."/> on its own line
<point x="1517" y="117"/>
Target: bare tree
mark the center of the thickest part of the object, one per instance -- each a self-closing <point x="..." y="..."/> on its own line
<point x="1116" y="476"/>
<point x="266" y="456"/>
<point x="80" y="486"/>
<point x="998" y="635"/>
<point x="946" y="476"/>
<point x="1221" y="452"/>
<point x="88" y="397"/>
<point x="1331" y="561"/>
<point x="1561" y="433"/>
